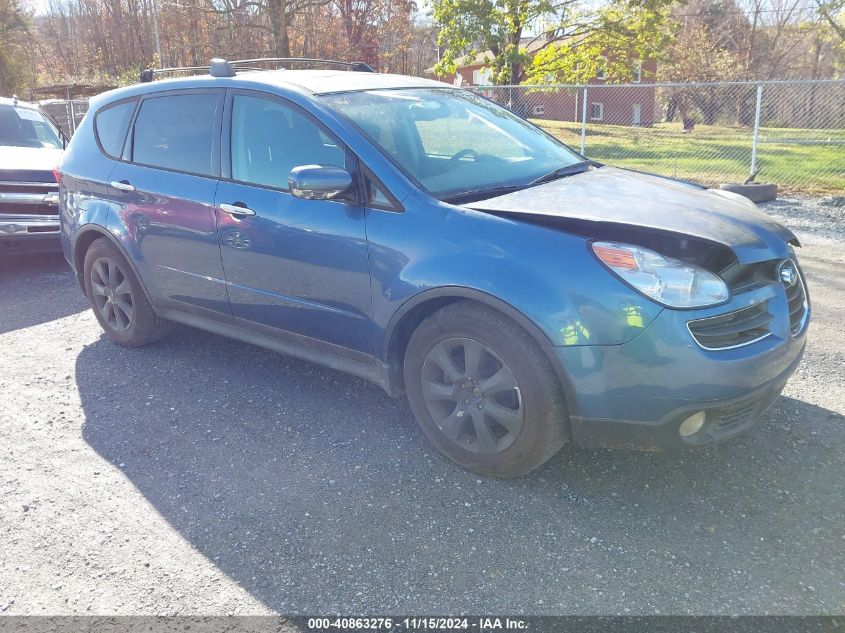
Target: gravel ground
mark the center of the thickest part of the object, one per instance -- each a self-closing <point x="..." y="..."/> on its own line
<point x="203" y="476"/>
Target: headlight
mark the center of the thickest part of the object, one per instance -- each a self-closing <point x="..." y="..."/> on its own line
<point x="668" y="281"/>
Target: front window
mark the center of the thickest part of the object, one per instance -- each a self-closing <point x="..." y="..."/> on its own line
<point x="270" y="138"/>
<point x="453" y="141"/>
<point x="27" y="127"/>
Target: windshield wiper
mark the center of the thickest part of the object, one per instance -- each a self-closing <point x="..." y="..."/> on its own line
<point x="473" y="195"/>
<point x="562" y="172"/>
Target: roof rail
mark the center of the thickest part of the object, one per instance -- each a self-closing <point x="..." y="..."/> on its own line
<point x="355" y="66"/>
<point x="222" y="68"/>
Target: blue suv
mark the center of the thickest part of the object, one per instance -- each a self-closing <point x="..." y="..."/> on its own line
<point x="431" y="241"/>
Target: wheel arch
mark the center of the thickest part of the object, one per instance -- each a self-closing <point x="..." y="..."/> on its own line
<point x="86" y="236"/>
<point x="406" y="319"/>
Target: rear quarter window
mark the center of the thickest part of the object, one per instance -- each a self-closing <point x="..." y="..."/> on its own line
<point x="176" y="132"/>
<point x="111" y="125"/>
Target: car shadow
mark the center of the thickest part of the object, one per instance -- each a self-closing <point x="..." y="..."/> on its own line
<point x="36" y="289"/>
<point x="316" y="492"/>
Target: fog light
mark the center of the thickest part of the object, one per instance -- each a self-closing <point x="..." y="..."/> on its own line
<point x="692" y="424"/>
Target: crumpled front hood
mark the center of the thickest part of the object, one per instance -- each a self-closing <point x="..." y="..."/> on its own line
<point x="622" y="197"/>
<point x="28" y="159"/>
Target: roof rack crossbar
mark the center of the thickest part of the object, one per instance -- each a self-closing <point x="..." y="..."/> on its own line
<point x="222" y="68"/>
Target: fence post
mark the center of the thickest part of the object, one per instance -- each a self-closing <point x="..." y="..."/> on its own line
<point x="72" y="118"/>
<point x="756" y="128"/>
<point x="584" y="122"/>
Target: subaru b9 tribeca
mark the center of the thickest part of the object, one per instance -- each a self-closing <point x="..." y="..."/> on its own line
<point x="429" y="240"/>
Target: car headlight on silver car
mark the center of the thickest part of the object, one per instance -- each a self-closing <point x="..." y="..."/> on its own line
<point x="668" y="281"/>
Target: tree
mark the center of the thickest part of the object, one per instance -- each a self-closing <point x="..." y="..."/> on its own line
<point x="472" y="27"/>
<point x="363" y="22"/>
<point x="696" y="57"/>
<point x="109" y="41"/>
<point x="15" y="33"/>
<point x="833" y="12"/>
<point x="623" y="37"/>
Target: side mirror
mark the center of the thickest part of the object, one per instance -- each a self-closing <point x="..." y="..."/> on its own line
<point x="318" y="182"/>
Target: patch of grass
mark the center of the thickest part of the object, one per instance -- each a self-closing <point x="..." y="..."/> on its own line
<point x="800" y="160"/>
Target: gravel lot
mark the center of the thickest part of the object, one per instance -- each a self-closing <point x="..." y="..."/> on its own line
<point x="203" y="476"/>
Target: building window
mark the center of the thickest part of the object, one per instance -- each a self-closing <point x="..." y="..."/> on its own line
<point x="638" y="72"/>
<point x="601" y="75"/>
<point x="596" y="111"/>
<point x="539" y="110"/>
<point x="481" y="77"/>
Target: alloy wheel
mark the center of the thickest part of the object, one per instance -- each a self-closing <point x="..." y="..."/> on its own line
<point x="112" y="295"/>
<point x="472" y="395"/>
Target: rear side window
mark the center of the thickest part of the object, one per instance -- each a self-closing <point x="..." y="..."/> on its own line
<point x="111" y="125"/>
<point x="176" y="132"/>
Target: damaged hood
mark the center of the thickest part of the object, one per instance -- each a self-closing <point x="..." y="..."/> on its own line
<point x="608" y="195"/>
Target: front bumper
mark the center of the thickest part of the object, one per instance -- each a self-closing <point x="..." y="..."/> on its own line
<point x="636" y="395"/>
<point x="724" y="418"/>
<point x="29" y="234"/>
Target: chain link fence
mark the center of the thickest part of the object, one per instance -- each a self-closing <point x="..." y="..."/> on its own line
<point x="793" y="132"/>
<point x="67" y="113"/>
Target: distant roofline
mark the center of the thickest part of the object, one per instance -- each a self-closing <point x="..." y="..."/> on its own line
<point x="13" y="101"/>
<point x="70" y="90"/>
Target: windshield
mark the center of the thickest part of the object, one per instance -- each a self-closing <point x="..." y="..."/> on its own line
<point x="452" y="141"/>
<point x="25" y="127"/>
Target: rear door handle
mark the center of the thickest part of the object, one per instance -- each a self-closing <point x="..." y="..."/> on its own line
<point x="238" y="208"/>
<point x="123" y="185"/>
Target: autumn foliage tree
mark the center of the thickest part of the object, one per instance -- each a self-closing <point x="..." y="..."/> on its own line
<point x="110" y="41"/>
<point x="15" y="60"/>
<point x="542" y="39"/>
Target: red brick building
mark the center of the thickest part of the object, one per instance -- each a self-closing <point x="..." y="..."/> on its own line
<point x="632" y="104"/>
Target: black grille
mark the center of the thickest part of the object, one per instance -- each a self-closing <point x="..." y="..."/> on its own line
<point x="735" y="416"/>
<point x="14" y="208"/>
<point x="797" y="299"/>
<point x="27" y="175"/>
<point x="13" y="187"/>
<point x="733" y="328"/>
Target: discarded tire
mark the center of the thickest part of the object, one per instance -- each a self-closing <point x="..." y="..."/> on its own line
<point x="756" y="192"/>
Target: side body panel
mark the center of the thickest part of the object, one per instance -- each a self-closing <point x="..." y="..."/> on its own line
<point x="84" y="189"/>
<point x="546" y="275"/>
<point x="168" y="225"/>
<point x="295" y="265"/>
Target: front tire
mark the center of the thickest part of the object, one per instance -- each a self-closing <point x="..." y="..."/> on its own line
<point x="117" y="298"/>
<point x="483" y="391"/>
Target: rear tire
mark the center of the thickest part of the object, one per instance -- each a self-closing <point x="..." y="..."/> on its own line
<point x="117" y="298"/>
<point x="484" y="392"/>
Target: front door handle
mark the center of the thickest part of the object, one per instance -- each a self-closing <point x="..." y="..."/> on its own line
<point x="239" y="208"/>
<point x="123" y="185"/>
